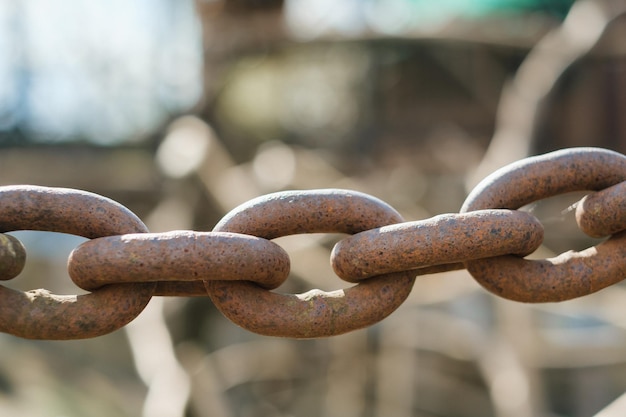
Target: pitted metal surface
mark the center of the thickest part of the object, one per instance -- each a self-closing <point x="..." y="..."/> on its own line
<point x="571" y="274"/>
<point x="315" y="313"/>
<point x="181" y="257"/>
<point x="603" y="213"/>
<point x="440" y="240"/>
<point x="237" y="265"/>
<point x="39" y="314"/>
<point x="12" y="257"/>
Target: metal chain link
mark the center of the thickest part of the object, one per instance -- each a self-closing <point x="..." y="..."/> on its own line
<point x="237" y="265"/>
<point x="571" y="274"/>
<point x="184" y="258"/>
<point x="39" y="314"/>
<point x="315" y="313"/>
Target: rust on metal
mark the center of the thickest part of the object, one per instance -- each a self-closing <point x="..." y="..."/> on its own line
<point x="64" y="210"/>
<point x="309" y="211"/>
<point x="12" y="257"/>
<point x="237" y="265"/>
<point x="571" y="274"/>
<point x="551" y="174"/>
<point x="312" y="314"/>
<point x="603" y="213"/>
<point x="178" y="256"/>
<point x="315" y="313"/>
<point x="180" y="289"/>
<point x="40" y="314"/>
<point x="443" y="239"/>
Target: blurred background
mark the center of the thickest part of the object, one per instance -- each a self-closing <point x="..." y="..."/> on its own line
<point x="183" y="109"/>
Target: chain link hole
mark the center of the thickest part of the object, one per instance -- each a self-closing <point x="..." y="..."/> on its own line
<point x="309" y="254"/>
<point x="46" y="265"/>
<point x="561" y="233"/>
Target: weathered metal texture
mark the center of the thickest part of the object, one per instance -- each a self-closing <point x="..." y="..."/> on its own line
<point x="180" y="289"/>
<point x="12" y="257"/>
<point x="443" y="239"/>
<point x="38" y="314"/>
<point x="178" y="256"/>
<point x="571" y="274"/>
<point x="603" y="213"/>
<point x="64" y="210"/>
<point x="315" y="313"/>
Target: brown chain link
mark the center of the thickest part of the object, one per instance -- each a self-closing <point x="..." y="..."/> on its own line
<point x="184" y="258"/>
<point x="444" y="239"/>
<point x="316" y="313"/>
<point x="571" y="274"/>
<point x="12" y="257"/>
<point x="603" y="213"/>
<point x="237" y="265"/>
<point x="39" y="314"/>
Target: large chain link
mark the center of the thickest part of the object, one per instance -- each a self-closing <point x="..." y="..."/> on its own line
<point x="316" y="313"/>
<point x="237" y="265"/>
<point x="571" y="274"/>
<point x="40" y="314"/>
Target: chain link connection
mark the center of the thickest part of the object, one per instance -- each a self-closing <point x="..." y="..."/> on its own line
<point x="237" y="265"/>
<point x="571" y="274"/>
<point x="39" y="314"/>
<point x="315" y="313"/>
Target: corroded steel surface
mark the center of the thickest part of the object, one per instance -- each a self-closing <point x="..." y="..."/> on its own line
<point x="554" y="173"/>
<point x="38" y="314"/>
<point x="64" y="210"/>
<point x="237" y="265"/>
<point x="315" y="313"/>
<point x="443" y="239"/>
<point x="179" y="256"/>
<point x="12" y="257"/>
<point x="568" y="275"/>
<point x="603" y="213"/>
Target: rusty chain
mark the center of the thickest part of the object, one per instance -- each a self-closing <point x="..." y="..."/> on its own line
<point x="237" y="265"/>
<point x="40" y="314"/>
